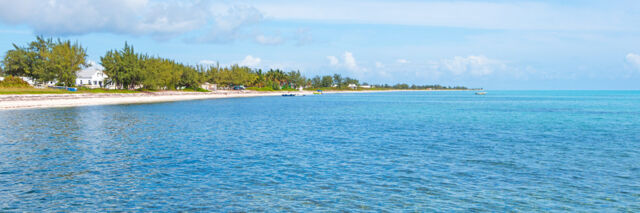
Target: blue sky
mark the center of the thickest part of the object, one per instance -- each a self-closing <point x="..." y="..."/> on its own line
<point x="501" y="44"/>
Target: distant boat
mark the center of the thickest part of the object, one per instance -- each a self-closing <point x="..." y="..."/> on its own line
<point x="481" y="93"/>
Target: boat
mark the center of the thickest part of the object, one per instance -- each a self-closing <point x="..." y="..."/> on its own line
<point x="288" y="94"/>
<point x="481" y="93"/>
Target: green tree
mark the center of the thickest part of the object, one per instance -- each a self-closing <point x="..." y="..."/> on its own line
<point x="44" y="60"/>
<point x="327" y="81"/>
<point x="316" y="82"/>
<point x="348" y="81"/>
<point x="16" y="62"/>
<point x="337" y="80"/>
<point x="123" y="67"/>
<point x="66" y="59"/>
<point x="190" y="77"/>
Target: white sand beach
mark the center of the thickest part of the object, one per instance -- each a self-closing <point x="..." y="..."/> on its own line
<point x="14" y="102"/>
<point x="9" y="102"/>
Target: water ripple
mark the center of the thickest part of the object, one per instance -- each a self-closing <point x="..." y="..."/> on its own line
<point x="385" y="152"/>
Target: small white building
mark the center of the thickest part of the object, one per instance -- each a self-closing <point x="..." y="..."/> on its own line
<point x="353" y="86"/>
<point x="91" y="77"/>
<point x="366" y="86"/>
<point x="209" y="86"/>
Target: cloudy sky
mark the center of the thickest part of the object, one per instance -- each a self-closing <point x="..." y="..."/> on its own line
<point x="500" y="44"/>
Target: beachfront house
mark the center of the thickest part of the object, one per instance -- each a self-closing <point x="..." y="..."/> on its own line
<point x="92" y="77"/>
<point x="209" y="86"/>
<point x="353" y="86"/>
<point x="366" y="86"/>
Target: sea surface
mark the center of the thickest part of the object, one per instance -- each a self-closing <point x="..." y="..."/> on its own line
<point x="396" y="151"/>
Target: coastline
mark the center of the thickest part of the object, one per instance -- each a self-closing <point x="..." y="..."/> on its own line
<point x="17" y="102"/>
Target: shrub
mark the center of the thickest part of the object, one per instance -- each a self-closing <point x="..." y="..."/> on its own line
<point x="14" y="82"/>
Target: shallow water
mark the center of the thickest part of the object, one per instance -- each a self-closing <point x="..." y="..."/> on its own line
<point x="422" y="151"/>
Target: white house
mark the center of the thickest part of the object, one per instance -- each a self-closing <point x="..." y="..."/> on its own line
<point x="92" y="77"/>
<point x="352" y="86"/>
<point x="209" y="86"/>
<point x="366" y="86"/>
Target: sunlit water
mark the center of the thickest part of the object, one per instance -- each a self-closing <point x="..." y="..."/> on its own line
<point x="411" y="151"/>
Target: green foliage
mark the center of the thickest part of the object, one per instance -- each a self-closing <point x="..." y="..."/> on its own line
<point x="20" y="91"/>
<point x="130" y="70"/>
<point x="195" y="90"/>
<point x="124" y="67"/>
<point x="14" y="82"/>
<point x="337" y="80"/>
<point x="327" y="81"/>
<point x="432" y="87"/>
<point x="102" y="90"/>
<point x="237" y="75"/>
<point x="268" y="89"/>
<point x="45" y="60"/>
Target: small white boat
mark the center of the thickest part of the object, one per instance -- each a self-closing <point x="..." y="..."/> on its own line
<point x="481" y="93"/>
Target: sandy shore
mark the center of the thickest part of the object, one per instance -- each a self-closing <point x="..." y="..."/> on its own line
<point x="13" y="102"/>
<point x="9" y="102"/>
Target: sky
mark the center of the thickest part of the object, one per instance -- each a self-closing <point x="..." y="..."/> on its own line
<point x="500" y="44"/>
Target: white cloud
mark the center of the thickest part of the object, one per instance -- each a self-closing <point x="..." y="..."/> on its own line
<point x="207" y="62"/>
<point x="250" y="61"/>
<point x="402" y="61"/>
<point x="474" y="65"/>
<point x="262" y="39"/>
<point x="350" y="61"/>
<point x="379" y="64"/>
<point x="634" y="60"/>
<point x="155" y="18"/>
<point x="522" y="15"/>
<point x="333" y="61"/>
<point x="228" y="25"/>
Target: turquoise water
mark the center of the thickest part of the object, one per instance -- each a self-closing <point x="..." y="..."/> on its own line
<point x="402" y="151"/>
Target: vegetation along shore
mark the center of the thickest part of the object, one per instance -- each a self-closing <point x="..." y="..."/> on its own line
<point x="50" y="73"/>
<point x="47" y="62"/>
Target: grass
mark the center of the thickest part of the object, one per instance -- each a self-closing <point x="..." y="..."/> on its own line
<point x="101" y="90"/>
<point x="22" y="91"/>
<point x="194" y="90"/>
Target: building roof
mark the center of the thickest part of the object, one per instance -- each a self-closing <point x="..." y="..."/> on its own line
<point x="88" y="72"/>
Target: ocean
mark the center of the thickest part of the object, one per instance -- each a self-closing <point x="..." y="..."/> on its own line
<point x="391" y="151"/>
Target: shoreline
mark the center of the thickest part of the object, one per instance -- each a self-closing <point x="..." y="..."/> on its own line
<point x="40" y="101"/>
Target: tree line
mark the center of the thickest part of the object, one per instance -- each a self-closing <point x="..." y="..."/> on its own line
<point x="413" y="86"/>
<point x="46" y="60"/>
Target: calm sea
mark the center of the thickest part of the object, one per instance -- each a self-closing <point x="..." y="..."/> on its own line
<point x="400" y="151"/>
